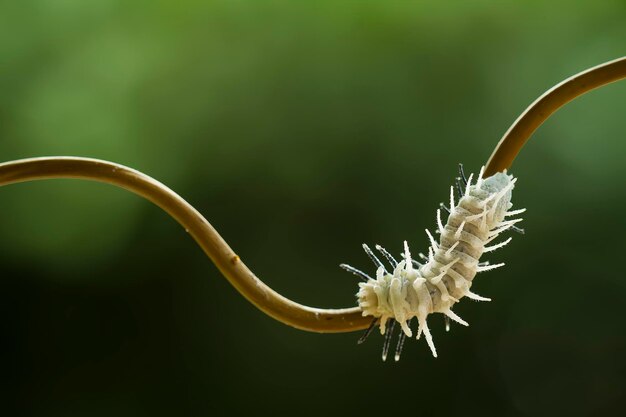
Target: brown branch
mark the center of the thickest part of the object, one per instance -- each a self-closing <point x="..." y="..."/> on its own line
<point x="231" y="266"/>
<point x="552" y="100"/>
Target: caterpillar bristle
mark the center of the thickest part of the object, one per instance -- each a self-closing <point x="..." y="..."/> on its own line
<point x="434" y="244"/>
<point x="392" y="261"/>
<point x="457" y="234"/>
<point x="488" y="267"/>
<point x="428" y="336"/>
<point x="451" y="314"/>
<point x="497" y="246"/>
<point x="459" y="186"/>
<point x="373" y="257"/>
<point x="468" y="185"/>
<point x="462" y="174"/>
<point x="514" y="212"/>
<point x="439" y="222"/>
<point x="356" y="272"/>
<point x="518" y="230"/>
<point x="414" y="289"/>
<point x="451" y="197"/>
<point x="451" y="248"/>
<point x="479" y="182"/>
<point x="476" y="297"/>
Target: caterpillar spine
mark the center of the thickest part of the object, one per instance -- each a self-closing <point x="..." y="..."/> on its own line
<point x="413" y="290"/>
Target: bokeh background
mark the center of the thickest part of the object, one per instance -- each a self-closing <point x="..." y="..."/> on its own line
<point x="301" y="130"/>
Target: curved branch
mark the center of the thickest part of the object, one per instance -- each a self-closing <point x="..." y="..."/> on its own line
<point x="235" y="271"/>
<point x="552" y="100"/>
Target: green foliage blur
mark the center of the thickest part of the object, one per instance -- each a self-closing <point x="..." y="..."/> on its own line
<point x="301" y="130"/>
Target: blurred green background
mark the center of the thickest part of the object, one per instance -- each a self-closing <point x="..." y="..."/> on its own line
<point x="301" y="130"/>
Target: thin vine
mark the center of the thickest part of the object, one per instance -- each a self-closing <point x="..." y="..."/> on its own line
<point x="228" y="262"/>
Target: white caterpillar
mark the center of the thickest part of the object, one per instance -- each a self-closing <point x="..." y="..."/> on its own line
<point x="415" y="290"/>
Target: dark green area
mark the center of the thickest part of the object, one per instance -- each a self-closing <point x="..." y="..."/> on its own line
<point x="301" y="130"/>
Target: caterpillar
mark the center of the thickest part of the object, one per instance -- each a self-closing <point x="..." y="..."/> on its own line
<point x="412" y="289"/>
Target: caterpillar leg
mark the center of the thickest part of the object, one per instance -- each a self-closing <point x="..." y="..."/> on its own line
<point x="367" y="332"/>
<point x="399" y="346"/>
<point x="388" y="336"/>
